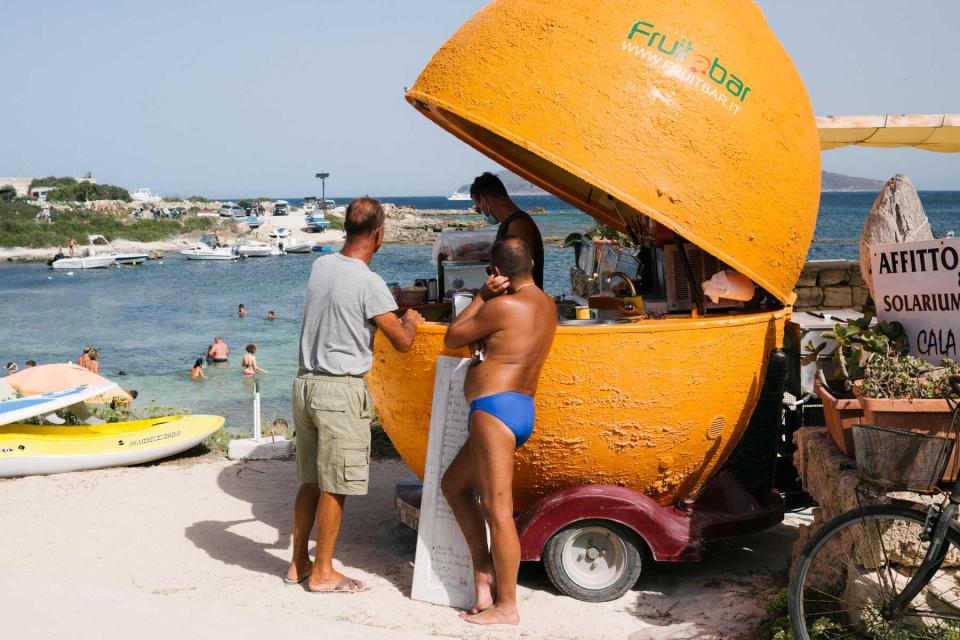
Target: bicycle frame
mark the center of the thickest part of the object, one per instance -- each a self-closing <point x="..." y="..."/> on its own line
<point x="939" y="546"/>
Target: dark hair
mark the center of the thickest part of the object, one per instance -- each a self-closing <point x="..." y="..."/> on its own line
<point x="31" y="363"/>
<point x="251" y="348"/>
<point x="512" y="256"/>
<point x="487" y="184"/>
<point x="364" y="216"/>
<point x="133" y="393"/>
<point x="240" y="306"/>
<point x="198" y="363"/>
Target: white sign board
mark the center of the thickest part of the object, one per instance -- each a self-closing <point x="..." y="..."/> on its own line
<point x="918" y="285"/>
<point x="443" y="573"/>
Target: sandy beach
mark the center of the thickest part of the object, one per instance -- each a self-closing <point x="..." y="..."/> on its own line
<point x="198" y="547"/>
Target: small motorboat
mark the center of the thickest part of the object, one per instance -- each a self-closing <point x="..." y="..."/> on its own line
<point x="201" y="251"/>
<point x="257" y="249"/>
<point x="209" y="248"/>
<point x="322" y="248"/>
<point x="316" y="222"/>
<point x="280" y="232"/>
<point x="83" y="262"/>
<point x="292" y="246"/>
<point x="101" y="246"/>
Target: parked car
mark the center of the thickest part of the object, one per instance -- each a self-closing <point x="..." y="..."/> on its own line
<point x="281" y="208"/>
<point x="231" y="209"/>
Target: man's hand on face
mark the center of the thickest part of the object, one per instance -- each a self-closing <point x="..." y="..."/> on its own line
<point x="412" y="316"/>
<point x="494" y="286"/>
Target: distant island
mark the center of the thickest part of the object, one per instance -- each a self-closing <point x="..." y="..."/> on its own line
<point x="517" y="186"/>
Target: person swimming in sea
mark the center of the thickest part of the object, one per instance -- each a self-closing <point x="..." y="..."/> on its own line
<point x="219" y="351"/>
<point x="271" y="315"/>
<point x="197" y="372"/>
<point x="241" y="311"/>
<point x="249" y="363"/>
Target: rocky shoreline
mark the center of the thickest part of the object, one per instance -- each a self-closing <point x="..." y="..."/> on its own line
<point x="404" y="225"/>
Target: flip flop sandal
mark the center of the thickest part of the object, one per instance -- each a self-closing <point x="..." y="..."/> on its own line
<point x="289" y="581"/>
<point x="347" y="585"/>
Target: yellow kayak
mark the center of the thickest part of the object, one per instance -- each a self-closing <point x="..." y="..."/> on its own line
<point x="27" y="449"/>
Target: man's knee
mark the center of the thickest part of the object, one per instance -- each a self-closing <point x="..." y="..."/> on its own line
<point x="448" y="485"/>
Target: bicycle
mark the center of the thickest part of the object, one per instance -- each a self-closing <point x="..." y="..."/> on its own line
<point x="892" y="570"/>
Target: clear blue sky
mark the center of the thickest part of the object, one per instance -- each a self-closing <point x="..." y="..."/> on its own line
<point x="251" y="98"/>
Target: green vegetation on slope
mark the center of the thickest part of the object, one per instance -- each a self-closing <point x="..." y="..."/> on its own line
<point x="69" y="190"/>
<point x="18" y="227"/>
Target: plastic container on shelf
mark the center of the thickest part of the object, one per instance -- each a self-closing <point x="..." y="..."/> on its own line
<point x="469" y="246"/>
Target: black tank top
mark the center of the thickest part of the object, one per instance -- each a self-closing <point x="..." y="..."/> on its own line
<point x="536" y="251"/>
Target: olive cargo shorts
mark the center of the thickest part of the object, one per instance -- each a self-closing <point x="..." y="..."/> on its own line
<point x="331" y="415"/>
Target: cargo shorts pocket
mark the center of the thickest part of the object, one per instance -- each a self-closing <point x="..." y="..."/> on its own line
<point x="356" y="462"/>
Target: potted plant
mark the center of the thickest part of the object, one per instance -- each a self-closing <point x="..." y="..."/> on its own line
<point x="858" y="342"/>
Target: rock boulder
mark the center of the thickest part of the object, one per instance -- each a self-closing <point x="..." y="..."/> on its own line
<point x="896" y="216"/>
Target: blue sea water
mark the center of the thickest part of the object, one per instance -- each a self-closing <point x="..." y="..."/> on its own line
<point x="153" y="320"/>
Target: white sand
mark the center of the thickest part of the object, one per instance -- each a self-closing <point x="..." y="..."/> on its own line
<point x="188" y="550"/>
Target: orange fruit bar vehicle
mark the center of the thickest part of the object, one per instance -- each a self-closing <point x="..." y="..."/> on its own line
<point x="687" y="125"/>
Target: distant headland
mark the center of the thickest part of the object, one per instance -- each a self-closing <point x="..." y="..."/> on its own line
<point x="517" y="186"/>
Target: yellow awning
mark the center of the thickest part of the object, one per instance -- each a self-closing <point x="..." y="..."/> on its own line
<point x="690" y="113"/>
<point x="930" y="132"/>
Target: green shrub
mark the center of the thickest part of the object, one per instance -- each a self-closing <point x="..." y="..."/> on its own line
<point x="8" y="193"/>
<point x="18" y="227"/>
<point x="69" y="190"/>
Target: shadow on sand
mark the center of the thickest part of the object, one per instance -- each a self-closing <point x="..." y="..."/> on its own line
<point x="371" y="539"/>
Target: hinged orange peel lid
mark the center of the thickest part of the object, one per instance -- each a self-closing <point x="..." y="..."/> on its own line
<point x="687" y="111"/>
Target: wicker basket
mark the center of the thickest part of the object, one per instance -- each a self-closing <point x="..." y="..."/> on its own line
<point x="898" y="459"/>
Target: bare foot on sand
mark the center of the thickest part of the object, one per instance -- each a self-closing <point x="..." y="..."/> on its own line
<point x="496" y="614"/>
<point x="486" y="591"/>
<point x="298" y="573"/>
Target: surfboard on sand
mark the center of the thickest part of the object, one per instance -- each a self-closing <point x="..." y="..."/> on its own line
<point x="39" y="405"/>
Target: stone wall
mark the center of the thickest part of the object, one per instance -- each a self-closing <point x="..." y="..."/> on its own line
<point x="830" y="284"/>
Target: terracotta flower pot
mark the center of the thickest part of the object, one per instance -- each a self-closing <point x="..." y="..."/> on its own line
<point x="840" y="414"/>
<point x="931" y="417"/>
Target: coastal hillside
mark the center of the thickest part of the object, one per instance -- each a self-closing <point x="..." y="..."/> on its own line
<point x="517" y="186"/>
<point x="839" y="182"/>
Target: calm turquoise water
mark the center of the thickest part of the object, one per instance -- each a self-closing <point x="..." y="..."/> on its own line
<point x="152" y="321"/>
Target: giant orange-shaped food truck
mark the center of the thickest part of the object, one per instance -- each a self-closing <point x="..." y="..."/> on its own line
<point x="686" y="117"/>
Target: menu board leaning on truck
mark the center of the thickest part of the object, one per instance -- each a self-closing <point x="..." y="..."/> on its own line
<point x="918" y="285"/>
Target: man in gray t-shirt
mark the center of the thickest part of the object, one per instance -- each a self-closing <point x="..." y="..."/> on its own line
<point x="345" y="305"/>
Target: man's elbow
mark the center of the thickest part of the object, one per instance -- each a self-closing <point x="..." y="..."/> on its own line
<point x="452" y="341"/>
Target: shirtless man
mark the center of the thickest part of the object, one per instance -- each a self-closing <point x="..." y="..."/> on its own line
<point x="219" y="351"/>
<point x="515" y="322"/>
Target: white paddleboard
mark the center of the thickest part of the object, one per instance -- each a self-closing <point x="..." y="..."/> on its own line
<point x="44" y="403"/>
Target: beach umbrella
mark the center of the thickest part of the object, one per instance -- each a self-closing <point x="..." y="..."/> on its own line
<point x="57" y="377"/>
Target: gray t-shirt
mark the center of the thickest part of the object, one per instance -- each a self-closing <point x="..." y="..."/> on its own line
<point x="343" y="297"/>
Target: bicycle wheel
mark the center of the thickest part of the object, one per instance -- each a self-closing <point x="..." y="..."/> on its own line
<point x="857" y="563"/>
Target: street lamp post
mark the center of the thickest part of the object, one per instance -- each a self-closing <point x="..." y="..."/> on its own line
<point x="323" y="175"/>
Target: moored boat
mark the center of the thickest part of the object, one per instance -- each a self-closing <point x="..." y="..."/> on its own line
<point x="101" y="246"/>
<point x="84" y="262"/>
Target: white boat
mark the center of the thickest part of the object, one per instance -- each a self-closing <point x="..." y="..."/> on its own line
<point x="209" y="248"/>
<point x="257" y="249"/>
<point x="456" y="195"/>
<point x="101" y="246"/>
<point x="83" y="262"/>
<point x="280" y="232"/>
<point x="292" y="246"/>
<point x="143" y="194"/>
<point x="201" y="251"/>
